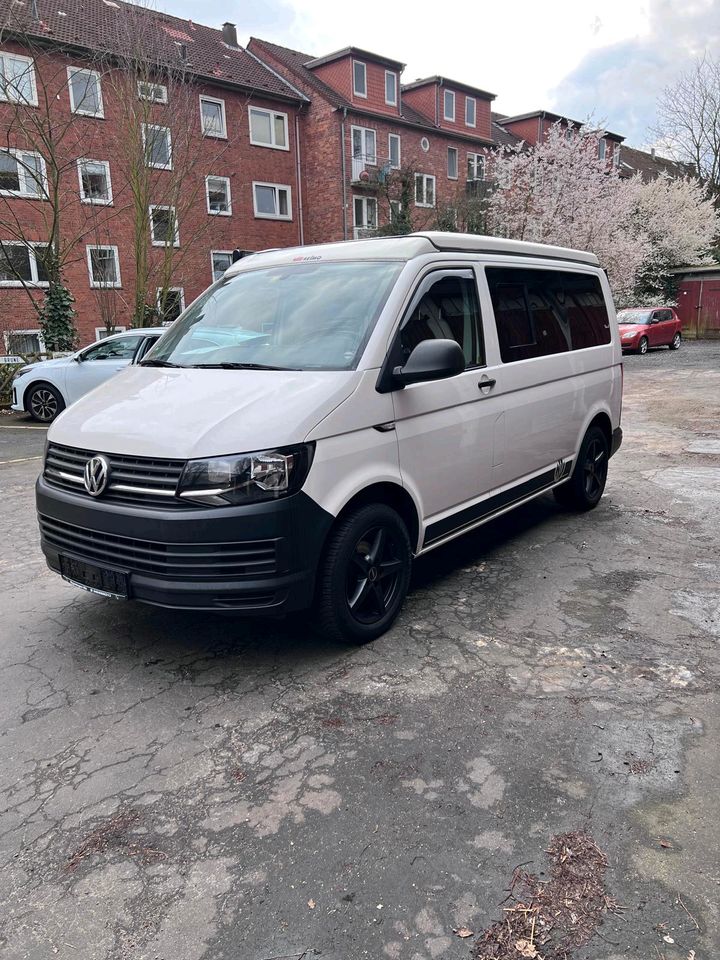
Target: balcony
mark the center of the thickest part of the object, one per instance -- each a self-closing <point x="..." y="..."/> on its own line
<point x="369" y="171"/>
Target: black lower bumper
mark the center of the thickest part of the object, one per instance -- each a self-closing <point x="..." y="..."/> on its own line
<point x="254" y="559"/>
<point x="617" y="438"/>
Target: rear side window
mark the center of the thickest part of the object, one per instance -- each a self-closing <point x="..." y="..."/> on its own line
<point x="447" y="309"/>
<point x="543" y="312"/>
<point x="663" y="315"/>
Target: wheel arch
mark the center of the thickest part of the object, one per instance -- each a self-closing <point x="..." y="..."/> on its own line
<point x="41" y="383"/>
<point x="393" y="495"/>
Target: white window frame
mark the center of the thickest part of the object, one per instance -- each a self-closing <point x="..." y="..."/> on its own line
<point x="473" y="101"/>
<point x="364" y="131"/>
<point x="148" y="159"/>
<point x="101" y="333"/>
<point x="457" y="163"/>
<point x="163" y="98"/>
<point x="356" y="92"/>
<point x="425" y="178"/>
<point x="33" y="281"/>
<point x="228" y="253"/>
<point x="94" y="200"/>
<point x="272" y="114"/>
<point x="446" y="94"/>
<point x="277" y="187"/>
<point x="602" y="149"/>
<point x="478" y="159"/>
<point x="163" y="243"/>
<point x="391" y="73"/>
<point x="365" y="201"/>
<point x="180" y="290"/>
<point x="36" y="332"/>
<point x="103" y="284"/>
<point x="218" y="213"/>
<point x="28" y="61"/>
<point x="100" y="113"/>
<point x="395" y="136"/>
<point x="24" y="176"/>
<point x="209" y="133"/>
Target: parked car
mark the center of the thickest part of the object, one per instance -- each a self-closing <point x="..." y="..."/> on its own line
<point x="45" y="388"/>
<point x="361" y="410"/>
<point x="645" y="327"/>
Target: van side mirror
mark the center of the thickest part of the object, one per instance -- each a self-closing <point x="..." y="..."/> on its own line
<point x="431" y="360"/>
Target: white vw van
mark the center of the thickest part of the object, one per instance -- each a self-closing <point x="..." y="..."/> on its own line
<point x="322" y="415"/>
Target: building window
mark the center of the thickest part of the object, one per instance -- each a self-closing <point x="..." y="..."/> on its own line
<point x="391" y="88"/>
<point x="365" y="216"/>
<point x="94" y="177"/>
<point x="164" y="231"/>
<point x="394" y="151"/>
<point x="359" y="79"/>
<point x="22" y="174"/>
<point x="268" y="129"/>
<point x="170" y="303"/>
<point x="475" y="166"/>
<point x="601" y="149"/>
<point x="154" y="92"/>
<point x="272" y="201"/>
<point x="449" y="105"/>
<point x="101" y="333"/>
<point x="452" y="163"/>
<point x="157" y="144"/>
<point x="218" y="196"/>
<point x="470" y="111"/>
<point x="85" y="92"/>
<point x="17" y="79"/>
<point x="364" y="149"/>
<point x="220" y="261"/>
<point x="212" y="113"/>
<point x="24" y="343"/>
<point x="424" y="144"/>
<point x="103" y="266"/>
<point x="424" y="190"/>
<point x="23" y="264"/>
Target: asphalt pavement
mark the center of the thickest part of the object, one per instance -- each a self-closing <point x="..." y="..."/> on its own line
<point x="181" y="786"/>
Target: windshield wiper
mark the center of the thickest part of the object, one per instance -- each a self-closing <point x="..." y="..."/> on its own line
<point x="158" y="363"/>
<point x="229" y="365"/>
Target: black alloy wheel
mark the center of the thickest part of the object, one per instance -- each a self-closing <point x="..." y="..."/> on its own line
<point x="44" y="403"/>
<point x="364" y="575"/>
<point x="595" y="467"/>
<point x="587" y="481"/>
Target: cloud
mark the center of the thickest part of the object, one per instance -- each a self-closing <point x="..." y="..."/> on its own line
<point x="619" y="84"/>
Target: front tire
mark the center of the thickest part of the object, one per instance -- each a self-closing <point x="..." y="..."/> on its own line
<point x="364" y="575"/>
<point x="675" y="342"/>
<point x="587" y="482"/>
<point x="44" y="403"/>
<point x="643" y="346"/>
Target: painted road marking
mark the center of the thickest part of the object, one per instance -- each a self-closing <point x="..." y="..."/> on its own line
<point x="19" y="460"/>
<point x="14" y="426"/>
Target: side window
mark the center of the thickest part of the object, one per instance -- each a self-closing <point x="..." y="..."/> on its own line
<point x="664" y="314"/>
<point x="447" y="310"/>
<point x="121" y="349"/>
<point x="543" y="312"/>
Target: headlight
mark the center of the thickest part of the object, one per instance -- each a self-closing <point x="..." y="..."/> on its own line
<point x="629" y="335"/>
<point x="246" y="477"/>
<point x="19" y="372"/>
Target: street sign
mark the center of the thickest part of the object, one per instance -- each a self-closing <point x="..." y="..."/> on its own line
<point x="11" y="361"/>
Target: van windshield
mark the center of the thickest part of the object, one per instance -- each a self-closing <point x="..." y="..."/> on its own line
<point x="305" y="316"/>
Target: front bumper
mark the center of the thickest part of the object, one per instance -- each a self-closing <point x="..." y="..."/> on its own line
<point x="255" y="559"/>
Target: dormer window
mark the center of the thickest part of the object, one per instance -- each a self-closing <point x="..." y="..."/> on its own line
<point x="470" y="111"/>
<point x="449" y="106"/>
<point x="359" y="79"/>
<point x="391" y="88"/>
<point x="601" y="149"/>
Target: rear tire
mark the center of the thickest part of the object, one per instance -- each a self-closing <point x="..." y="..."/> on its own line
<point x="643" y="346"/>
<point x="675" y="342"/>
<point x="44" y="403"/>
<point x="587" y="482"/>
<point x="364" y="576"/>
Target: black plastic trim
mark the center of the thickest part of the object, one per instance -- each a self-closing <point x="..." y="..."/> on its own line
<point x="617" y="439"/>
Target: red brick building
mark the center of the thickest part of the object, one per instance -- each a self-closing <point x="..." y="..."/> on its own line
<point x="362" y="125"/>
<point x="222" y="148"/>
<point x="532" y="128"/>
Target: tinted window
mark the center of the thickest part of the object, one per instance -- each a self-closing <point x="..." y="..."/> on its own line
<point x="121" y="349"/>
<point x="544" y="312"/>
<point x="447" y="310"/>
<point x="664" y="314"/>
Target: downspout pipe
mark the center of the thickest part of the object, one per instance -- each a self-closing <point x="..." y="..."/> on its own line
<point x="344" y="173"/>
<point x="298" y="173"/>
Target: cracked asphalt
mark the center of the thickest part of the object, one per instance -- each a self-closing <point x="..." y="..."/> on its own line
<point x="180" y="786"/>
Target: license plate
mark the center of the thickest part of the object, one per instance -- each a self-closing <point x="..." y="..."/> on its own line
<point x="100" y="580"/>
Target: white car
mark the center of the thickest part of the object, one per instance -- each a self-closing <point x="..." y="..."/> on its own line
<point x="322" y="415"/>
<point x="44" y="389"/>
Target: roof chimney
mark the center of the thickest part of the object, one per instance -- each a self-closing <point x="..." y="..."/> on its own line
<point x="229" y="33"/>
<point x="652" y="151"/>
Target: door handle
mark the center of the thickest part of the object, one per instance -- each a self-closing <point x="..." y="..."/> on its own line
<point x="486" y="382"/>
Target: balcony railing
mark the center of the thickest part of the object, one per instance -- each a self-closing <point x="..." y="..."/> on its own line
<point x="370" y="171"/>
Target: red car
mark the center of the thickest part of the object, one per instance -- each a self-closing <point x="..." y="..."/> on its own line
<point x="643" y="327"/>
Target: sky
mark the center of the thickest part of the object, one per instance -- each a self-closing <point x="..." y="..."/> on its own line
<point x="607" y="60"/>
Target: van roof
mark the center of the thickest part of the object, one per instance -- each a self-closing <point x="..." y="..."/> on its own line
<point x="410" y="246"/>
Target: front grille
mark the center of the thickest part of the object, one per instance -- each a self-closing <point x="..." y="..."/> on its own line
<point x="172" y="561"/>
<point x="140" y="480"/>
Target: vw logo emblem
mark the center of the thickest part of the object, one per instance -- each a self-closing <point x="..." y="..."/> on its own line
<point x="97" y="471"/>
